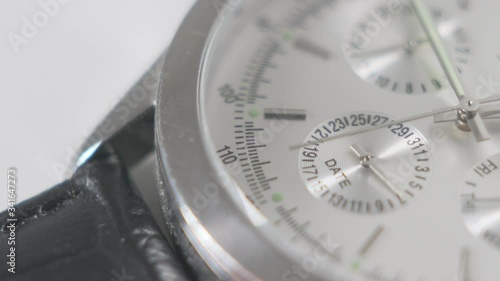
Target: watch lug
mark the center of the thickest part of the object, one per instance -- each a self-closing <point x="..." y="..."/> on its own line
<point x="128" y="128"/>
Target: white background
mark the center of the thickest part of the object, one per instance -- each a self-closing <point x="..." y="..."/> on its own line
<point x="60" y="78"/>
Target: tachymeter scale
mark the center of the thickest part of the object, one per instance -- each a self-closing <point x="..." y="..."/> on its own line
<point x="369" y="173"/>
<point x="480" y="195"/>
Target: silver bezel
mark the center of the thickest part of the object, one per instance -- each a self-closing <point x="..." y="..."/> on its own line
<point x="223" y="236"/>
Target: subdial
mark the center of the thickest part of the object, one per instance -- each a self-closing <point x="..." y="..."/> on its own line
<point x="371" y="173"/>
<point x="480" y="195"/>
<point x="390" y="49"/>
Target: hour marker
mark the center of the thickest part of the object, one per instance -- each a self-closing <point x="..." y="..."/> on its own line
<point x="424" y="89"/>
<point x="355" y="265"/>
<point x="371" y="240"/>
<point x="285" y="114"/>
<point x="394" y="86"/>
<point x="471" y="184"/>
<point x="253" y="112"/>
<point x="312" y="48"/>
<point x="277" y="197"/>
<point x="463" y="270"/>
<point x="287" y="35"/>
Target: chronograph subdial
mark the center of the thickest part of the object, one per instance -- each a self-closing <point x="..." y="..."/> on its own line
<point x="480" y="200"/>
<point x="370" y="173"/>
<point x="389" y="49"/>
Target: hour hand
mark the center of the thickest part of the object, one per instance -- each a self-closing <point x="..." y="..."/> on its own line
<point x="478" y="128"/>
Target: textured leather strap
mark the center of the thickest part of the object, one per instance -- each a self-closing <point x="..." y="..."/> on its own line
<point x="90" y="228"/>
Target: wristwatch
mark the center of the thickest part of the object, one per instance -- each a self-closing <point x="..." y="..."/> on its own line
<point x="295" y="140"/>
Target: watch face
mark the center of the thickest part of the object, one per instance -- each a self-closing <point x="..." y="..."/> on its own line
<point x="363" y="135"/>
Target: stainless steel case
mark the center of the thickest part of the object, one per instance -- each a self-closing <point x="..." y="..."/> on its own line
<point x="222" y="235"/>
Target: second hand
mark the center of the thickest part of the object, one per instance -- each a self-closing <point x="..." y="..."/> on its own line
<point x="374" y="128"/>
<point x="400" y="121"/>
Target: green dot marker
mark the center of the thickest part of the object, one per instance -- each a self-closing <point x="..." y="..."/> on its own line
<point x="355" y="265"/>
<point x="253" y="112"/>
<point x="287" y="35"/>
<point x="277" y="197"/>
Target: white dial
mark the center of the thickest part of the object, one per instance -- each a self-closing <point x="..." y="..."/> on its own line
<point x="274" y="73"/>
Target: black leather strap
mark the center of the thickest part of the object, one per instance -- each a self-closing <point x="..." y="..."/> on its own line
<point x="90" y="228"/>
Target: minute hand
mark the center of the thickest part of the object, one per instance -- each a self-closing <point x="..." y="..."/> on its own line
<point x="475" y="123"/>
<point x="427" y="23"/>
